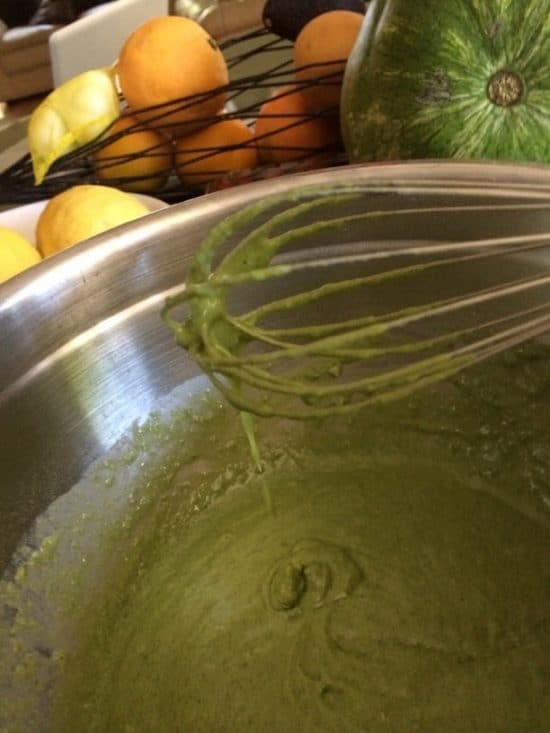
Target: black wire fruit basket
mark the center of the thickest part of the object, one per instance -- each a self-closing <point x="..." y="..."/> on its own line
<point x="178" y="181"/>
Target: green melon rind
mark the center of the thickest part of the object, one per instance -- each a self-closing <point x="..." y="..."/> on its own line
<point x="416" y="82"/>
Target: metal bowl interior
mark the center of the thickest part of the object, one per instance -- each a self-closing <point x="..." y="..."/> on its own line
<point x="84" y="352"/>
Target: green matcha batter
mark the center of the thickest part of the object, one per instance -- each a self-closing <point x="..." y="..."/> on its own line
<point x="399" y="582"/>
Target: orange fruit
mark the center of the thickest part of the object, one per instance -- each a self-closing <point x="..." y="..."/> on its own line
<point x="322" y="48"/>
<point x="167" y="58"/>
<point x="286" y="131"/>
<point x="144" y="157"/>
<point x="214" y="151"/>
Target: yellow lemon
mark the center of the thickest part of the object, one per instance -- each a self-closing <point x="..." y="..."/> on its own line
<point x="16" y="254"/>
<point x="73" y="114"/>
<point x="81" y="212"/>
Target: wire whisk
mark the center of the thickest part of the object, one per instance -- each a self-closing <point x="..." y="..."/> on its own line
<point x="317" y="302"/>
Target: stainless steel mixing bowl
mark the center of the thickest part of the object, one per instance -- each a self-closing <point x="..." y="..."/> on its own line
<point x="84" y="354"/>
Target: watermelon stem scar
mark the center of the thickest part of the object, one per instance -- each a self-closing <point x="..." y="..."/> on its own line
<point x="505" y="88"/>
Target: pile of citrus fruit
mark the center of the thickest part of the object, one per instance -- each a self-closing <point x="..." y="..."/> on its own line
<point x="176" y="113"/>
<point x="176" y="119"/>
<point x="76" y="214"/>
<point x="175" y="81"/>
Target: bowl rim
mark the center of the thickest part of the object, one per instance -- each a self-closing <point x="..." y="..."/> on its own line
<point x="123" y="258"/>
